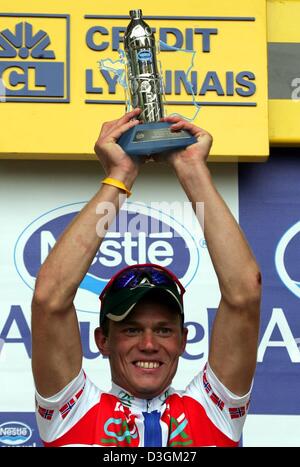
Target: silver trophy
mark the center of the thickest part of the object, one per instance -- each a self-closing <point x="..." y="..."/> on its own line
<point x="146" y="92"/>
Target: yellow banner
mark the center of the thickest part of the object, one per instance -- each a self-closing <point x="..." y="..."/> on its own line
<point x="55" y="97"/>
<point x="284" y="72"/>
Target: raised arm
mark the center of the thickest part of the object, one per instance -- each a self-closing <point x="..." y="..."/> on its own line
<point x="56" y="343"/>
<point x="233" y="345"/>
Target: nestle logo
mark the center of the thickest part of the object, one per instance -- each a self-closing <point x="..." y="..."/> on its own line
<point x="145" y="55"/>
<point x="14" y="433"/>
<point x="34" y="61"/>
<point x="140" y="234"/>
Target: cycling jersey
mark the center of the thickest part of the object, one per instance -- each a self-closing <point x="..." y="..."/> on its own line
<point x="205" y="414"/>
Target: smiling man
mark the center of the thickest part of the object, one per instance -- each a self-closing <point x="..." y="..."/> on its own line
<point x="141" y="327"/>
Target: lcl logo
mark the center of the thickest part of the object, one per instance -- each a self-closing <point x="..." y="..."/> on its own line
<point x="30" y="69"/>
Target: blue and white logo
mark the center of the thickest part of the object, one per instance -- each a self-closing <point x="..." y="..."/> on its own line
<point x="31" y="70"/>
<point x="141" y="234"/>
<point x="145" y="55"/>
<point x="14" y="433"/>
<point x="287" y="258"/>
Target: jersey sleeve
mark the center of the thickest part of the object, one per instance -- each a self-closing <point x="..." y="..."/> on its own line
<point x="224" y="408"/>
<point x="58" y="414"/>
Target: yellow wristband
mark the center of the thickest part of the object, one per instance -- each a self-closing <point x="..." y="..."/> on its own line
<point x="117" y="184"/>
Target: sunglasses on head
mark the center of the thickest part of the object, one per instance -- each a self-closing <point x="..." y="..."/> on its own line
<point x="134" y="275"/>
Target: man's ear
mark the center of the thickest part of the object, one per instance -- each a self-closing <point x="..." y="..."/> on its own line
<point x="101" y="341"/>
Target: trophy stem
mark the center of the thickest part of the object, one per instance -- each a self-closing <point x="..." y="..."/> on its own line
<point x="144" y="79"/>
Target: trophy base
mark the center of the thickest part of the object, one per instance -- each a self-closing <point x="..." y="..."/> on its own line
<point x="152" y="138"/>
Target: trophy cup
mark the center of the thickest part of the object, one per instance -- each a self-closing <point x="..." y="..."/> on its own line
<point x="146" y="92"/>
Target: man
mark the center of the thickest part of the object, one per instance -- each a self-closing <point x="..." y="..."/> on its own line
<point x="141" y="324"/>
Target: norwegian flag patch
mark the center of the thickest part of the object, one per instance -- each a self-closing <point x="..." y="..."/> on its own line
<point x="66" y="408"/>
<point x="47" y="414"/>
<point x="238" y="412"/>
<point x="213" y="396"/>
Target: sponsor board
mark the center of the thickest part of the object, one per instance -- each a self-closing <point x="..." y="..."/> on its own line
<point x="49" y="72"/>
<point x="18" y="430"/>
<point x="269" y="215"/>
<point x="140" y="234"/>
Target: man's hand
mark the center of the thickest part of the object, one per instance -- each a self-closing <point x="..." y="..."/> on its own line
<point x="195" y="153"/>
<point x="114" y="160"/>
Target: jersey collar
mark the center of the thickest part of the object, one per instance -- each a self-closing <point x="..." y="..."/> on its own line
<point x="140" y="405"/>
